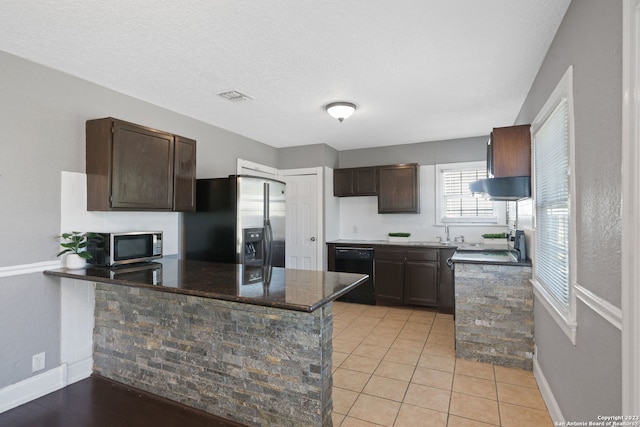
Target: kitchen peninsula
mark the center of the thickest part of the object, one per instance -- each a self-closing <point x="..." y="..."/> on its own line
<point x="494" y="308"/>
<point x="251" y="346"/>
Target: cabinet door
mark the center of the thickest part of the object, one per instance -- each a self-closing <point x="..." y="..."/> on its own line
<point x="184" y="183"/>
<point x="365" y="181"/>
<point x="510" y="151"/>
<point x="331" y="257"/>
<point x="343" y="182"/>
<point x="398" y="189"/>
<point x="421" y="283"/>
<point x="446" y="285"/>
<point x="389" y="280"/>
<point x="142" y="168"/>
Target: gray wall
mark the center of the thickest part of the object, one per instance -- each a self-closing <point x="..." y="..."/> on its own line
<point x="307" y="156"/>
<point x="586" y="378"/>
<point x="423" y="153"/>
<point x="42" y="116"/>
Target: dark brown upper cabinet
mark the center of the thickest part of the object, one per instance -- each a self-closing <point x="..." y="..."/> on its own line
<point x="184" y="173"/>
<point x="135" y="168"/>
<point x="355" y="182"/>
<point x="509" y="152"/>
<point x="398" y="189"/>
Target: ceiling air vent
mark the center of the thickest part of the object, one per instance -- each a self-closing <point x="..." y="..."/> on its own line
<point x="235" y="95"/>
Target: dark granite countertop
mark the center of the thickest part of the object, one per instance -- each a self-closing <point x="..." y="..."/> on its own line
<point x="492" y="257"/>
<point x="299" y="290"/>
<point x="437" y="245"/>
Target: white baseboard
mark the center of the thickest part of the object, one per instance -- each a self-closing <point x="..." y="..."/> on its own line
<point x="79" y="370"/>
<point x="32" y="388"/>
<point x="547" y="394"/>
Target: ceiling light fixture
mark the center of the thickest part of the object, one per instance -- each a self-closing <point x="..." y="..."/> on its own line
<point x="340" y="110"/>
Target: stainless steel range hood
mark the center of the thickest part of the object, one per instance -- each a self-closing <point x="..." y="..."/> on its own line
<point x="511" y="188"/>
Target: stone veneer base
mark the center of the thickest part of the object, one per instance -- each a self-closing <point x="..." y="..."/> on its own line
<point x="256" y="365"/>
<point x="494" y="314"/>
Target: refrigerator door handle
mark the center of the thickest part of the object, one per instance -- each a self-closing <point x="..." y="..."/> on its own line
<point x="268" y="235"/>
<point x="265" y="201"/>
<point x="268" y="231"/>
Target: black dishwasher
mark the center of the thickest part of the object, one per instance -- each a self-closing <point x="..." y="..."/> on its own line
<point x="357" y="260"/>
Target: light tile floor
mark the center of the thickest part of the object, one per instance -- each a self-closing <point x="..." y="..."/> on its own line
<point x="396" y="366"/>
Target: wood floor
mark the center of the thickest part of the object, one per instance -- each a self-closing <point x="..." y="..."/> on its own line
<point x="98" y="402"/>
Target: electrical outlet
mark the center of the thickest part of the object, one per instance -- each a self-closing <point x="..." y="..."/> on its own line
<point x="37" y="362"/>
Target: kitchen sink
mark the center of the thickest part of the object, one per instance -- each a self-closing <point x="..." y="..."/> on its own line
<point x="434" y="243"/>
<point x="484" y="256"/>
<point x="472" y="245"/>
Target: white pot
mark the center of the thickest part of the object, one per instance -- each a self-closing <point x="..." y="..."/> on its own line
<point x="397" y="239"/>
<point x="74" y="261"/>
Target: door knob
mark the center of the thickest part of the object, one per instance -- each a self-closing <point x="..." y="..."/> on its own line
<point x="313" y="239"/>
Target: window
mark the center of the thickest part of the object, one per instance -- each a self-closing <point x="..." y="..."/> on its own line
<point x="455" y="202"/>
<point x="552" y="163"/>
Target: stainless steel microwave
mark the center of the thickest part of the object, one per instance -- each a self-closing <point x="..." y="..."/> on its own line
<point x="112" y="249"/>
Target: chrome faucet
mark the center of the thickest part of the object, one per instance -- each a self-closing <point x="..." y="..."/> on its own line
<point x="446" y="233"/>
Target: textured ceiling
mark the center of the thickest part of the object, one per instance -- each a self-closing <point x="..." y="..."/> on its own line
<point x="419" y="70"/>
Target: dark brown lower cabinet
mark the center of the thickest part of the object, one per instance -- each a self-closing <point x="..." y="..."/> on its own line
<point x="406" y="276"/>
<point x="389" y="275"/>
<point x="446" y="295"/>
<point x="410" y="275"/>
<point x="421" y="283"/>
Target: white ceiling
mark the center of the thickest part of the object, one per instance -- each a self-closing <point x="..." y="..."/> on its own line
<point x="419" y="70"/>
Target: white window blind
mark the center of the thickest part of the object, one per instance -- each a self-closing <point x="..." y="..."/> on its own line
<point x="551" y="166"/>
<point x="458" y="200"/>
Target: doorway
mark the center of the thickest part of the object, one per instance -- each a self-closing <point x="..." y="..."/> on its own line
<point x="304" y="218"/>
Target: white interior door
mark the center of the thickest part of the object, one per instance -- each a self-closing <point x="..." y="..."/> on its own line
<point x="304" y="218"/>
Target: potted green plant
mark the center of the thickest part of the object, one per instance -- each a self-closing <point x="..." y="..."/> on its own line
<point x="75" y="249"/>
<point x="399" y="237"/>
<point x="491" y="238"/>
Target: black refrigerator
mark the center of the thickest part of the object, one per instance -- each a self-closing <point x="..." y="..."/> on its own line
<point x="239" y="219"/>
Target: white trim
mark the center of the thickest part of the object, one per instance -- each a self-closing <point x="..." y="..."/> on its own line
<point x="36" y="267"/>
<point x="563" y="90"/>
<point x="601" y="306"/>
<point x="77" y="303"/>
<point x="32" y="388"/>
<point x="79" y="370"/>
<point x="258" y="169"/>
<point x="568" y="326"/>
<point x="630" y="292"/>
<point x="547" y="394"/>
<point x="40" y="385"/>
<point x="301" y="171"/>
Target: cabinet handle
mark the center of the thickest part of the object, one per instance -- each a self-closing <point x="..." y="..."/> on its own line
<point x="313" y="239"/>
<point x="450" y="263"/>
